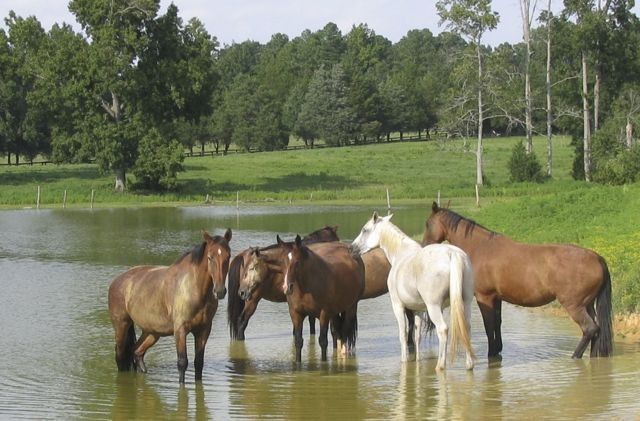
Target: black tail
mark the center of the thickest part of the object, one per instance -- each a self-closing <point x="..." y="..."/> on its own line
<point x="129" y="363"/>
<point x="235" y="305"/>
<point x="602" y="344"/>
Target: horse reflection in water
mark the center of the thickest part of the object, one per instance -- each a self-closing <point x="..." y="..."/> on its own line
<point x="243" y="302"/>
<point x="170" y="300"/>
<point x="321" y="280"/>
<point x="424" y="279"/>
<point x="531" y="275"/>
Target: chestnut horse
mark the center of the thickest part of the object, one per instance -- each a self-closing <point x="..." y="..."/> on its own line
<point x="170" y="300"/>
<point x="530" y="275"/>
<point x="241" y="306"/>
<point x="322" y="280"/>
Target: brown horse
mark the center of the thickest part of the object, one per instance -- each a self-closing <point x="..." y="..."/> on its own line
<point x="530" y="275"/>
<point x="323" y="280"/>
<point x="242" y="305"/>
<point x="170" y="300"/>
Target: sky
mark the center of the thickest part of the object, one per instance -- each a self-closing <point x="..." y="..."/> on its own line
<point x="239" y="20"/>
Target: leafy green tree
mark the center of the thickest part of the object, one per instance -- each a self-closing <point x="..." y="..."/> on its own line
<point x="523" y="165"/>
<point x="24" y="123"/>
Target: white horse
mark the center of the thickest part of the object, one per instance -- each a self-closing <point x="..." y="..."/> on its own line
<point x="424" y="279"/>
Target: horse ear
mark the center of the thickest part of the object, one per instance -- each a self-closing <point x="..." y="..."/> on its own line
<point x="388" y="217"/>
<point x="448" y="204"/>
<point x="298" y="241"/>
<point x="227" y="235"/>
<point x="206" y="236"/>
<point x="434" y="207"/>
<point x="280" y="242"/>
<point x="375" y="216"/>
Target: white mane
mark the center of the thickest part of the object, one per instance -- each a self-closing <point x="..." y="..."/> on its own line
<point x="393" y="241"/>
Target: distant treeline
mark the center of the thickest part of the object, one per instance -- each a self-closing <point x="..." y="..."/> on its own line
<point x="133" y="88"/>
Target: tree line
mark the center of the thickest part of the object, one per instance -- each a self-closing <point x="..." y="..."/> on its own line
<point x="133" y="88"/>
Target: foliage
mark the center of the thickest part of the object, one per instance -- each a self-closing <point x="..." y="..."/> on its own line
<point x="524" y="166"/>
<point x="158" y="162"/>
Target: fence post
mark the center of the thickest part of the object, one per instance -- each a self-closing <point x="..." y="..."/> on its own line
<point x="477" y="196"/>
<point x="237" y="200"/>
<point x="64" y="199"/>
<point x="38" y="199"/>
<point x="92" y="195"/>
<point x="388" y="203"/>
<point x="438" y="198"/>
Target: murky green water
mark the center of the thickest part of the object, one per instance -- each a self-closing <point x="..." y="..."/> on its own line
<point x="57" y="345"/>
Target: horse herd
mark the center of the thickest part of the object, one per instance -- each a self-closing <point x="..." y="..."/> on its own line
<point x="322" y="278"/>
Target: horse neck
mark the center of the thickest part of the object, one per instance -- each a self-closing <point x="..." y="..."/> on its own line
<point x="201" y="281"/>
<point x="395" y="243"/>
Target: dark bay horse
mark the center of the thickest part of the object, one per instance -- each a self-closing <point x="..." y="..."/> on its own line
<point x="530" y="275"/>
<point x="240" y="308"/>
<point x="170" y="300"/>
<point x="323" y="280"/>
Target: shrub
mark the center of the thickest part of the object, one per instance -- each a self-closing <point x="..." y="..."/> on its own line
<point x="158" y="163"/>
<point x="524" y="166"/>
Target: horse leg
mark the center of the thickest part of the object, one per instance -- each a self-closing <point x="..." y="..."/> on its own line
<point x="180" y="335"/>
<point x="312" y="325"/>
<point x="145" y="342"/>
<point x="590" y="329"/>
<point x="435" y="314"/>
<point x="410" y="320"/>
<point x="200" y="341"/>
<point x="248" y="310"/>
<point x="417" y="331"/>
<point x="485" y="303"/>
<point x="322" y="339"/>
<point x="498" y="327"/>
<point x="398" y="311"/>
<point x="297" y="320"/>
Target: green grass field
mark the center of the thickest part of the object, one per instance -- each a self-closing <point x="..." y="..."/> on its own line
<point x="603" y="218"/>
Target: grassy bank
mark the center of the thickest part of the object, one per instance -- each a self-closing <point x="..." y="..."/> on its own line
<point x="560" y="210"/>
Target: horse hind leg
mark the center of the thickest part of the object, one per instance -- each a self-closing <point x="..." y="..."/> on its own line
<point x="584" y="319"/>
<point x="435" y="314"/>
<point x="145" y="342"/>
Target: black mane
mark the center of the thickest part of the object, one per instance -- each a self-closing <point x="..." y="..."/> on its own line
<point x="196" y="254"/>
<point x="452" y="220"/>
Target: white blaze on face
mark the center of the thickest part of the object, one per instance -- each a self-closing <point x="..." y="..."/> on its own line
<point x="285" y="287"/>
<point x="219" y="252"/>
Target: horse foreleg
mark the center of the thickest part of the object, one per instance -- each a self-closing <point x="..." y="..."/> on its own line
<point x="435" y="314"/>
<point x="297" y="320"/>
<point x="486" y="303"/>
<point x="498" y="328"/>
<point x="145" y="342"/>
<point x="180" y="335"/>
<point x="200" y="341"/>
<point x="312" y="325"/>
<point x="398" y="311"/>
<point x="322" y="339"/>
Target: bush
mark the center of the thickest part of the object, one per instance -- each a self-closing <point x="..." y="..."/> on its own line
<point x="524" y="166"/>
<point x="158" y="163"/>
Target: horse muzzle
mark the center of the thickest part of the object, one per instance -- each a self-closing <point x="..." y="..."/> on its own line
<point x="220" y="294"/>
<point x="244" y="294"/>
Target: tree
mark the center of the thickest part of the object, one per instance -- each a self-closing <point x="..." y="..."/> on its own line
<point x="471" y="18"/>
<point x="527" y="13"/>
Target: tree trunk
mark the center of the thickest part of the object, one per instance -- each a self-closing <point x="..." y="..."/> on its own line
<point x="629" y="133"/>
<point x="548" y="88"/>
<point x="526" y="29"/>
<point x="479" y="177"/>
<point x="202" y="149"/>
<point x="585" y="122"/>
<point x="121" y="181"/>
<point x="9" y="158"/>
<point x="596" y="98"/>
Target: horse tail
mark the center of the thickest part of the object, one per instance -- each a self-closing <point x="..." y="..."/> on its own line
<point x="602" y="343"/>
<point x="130" y="347"/>
<point x="460" y="329"/>
<point x="351" y="329"/>
<point x="235" y="304"/>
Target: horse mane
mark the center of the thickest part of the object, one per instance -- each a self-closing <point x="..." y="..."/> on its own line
<point x="452" y="220"/>
<point x="197" y="253"/>
<point x="392" y="236"/>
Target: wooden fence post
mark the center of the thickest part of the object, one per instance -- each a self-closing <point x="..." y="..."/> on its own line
<point x="92" y="195"/>
<point x="64" y="199"/>
<point x="38" y="199"/>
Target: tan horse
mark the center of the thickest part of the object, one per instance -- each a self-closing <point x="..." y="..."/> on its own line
<point x="170" y="300"/>
<point x="530" y="275"/>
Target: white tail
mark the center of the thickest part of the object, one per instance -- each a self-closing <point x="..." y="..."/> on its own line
<point x="460" y="329"/>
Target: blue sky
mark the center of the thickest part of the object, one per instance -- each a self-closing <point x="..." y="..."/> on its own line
<point x="239" y="20"/>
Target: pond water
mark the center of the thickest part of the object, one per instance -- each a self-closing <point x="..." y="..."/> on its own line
<point x="57" y="341"/>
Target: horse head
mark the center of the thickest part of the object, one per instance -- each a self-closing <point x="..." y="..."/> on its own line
<point x="218" y="255"/>
<point x="369" y="237"/>
<point x="294" y="254"/>
<point x="435" y="230"/>
<point x="253" y="272"/>
<point x="326" y="234"/>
